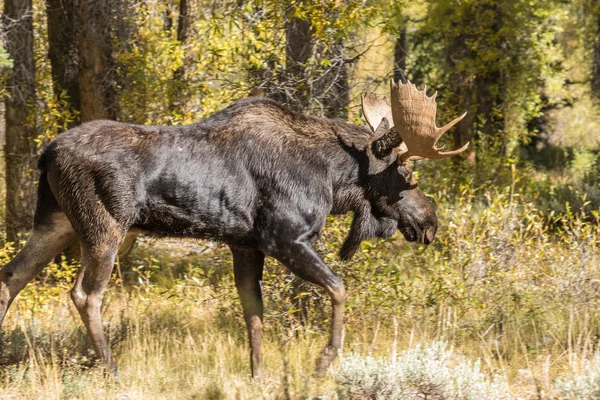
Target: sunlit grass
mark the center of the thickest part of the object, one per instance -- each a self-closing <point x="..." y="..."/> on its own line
<point x="165" y="349"/>
<point x="504" y="282"/>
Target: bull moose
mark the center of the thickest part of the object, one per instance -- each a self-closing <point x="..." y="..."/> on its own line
<point x="256" y="176"/>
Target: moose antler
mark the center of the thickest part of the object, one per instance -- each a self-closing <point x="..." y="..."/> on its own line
<point x="414" y="117"/>
<point x="375" y="109"/>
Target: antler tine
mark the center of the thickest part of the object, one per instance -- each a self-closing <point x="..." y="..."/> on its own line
<point x="445" y="154"/>
<point x="449" y="125"/>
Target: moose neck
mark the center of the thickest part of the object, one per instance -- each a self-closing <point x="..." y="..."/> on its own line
<point x="355" y="189"/>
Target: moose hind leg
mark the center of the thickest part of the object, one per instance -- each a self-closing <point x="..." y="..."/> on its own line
<point x="305" y="262"/>
<point x="97" y="261"/>
<point x="248" y="270"/>
<point x="47" y="239"/>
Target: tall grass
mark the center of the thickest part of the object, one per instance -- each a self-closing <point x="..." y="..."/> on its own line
<point x="166" y="349"/>
<point x="505" y="282"/>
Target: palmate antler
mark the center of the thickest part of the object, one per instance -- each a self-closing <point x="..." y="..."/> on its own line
<point x="413" y="117"/>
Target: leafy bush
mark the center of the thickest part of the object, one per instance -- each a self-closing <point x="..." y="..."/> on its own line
<point x="424" y="372"/>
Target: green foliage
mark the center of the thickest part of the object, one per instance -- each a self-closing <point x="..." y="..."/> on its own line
<point x="5" y="61"/>
<point x="6" y="65"/>
<point x="147" y="64"/>
<point x="583" y="163"/>
<point x="492" y="59"/>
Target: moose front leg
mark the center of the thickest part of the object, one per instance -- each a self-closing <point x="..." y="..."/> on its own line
<point x="248" y="270"/>
<point x="305" y="262"/>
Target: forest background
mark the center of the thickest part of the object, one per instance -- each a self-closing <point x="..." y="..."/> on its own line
<point x="511" y="280"/>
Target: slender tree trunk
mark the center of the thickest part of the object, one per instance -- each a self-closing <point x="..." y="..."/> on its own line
<point x="183" y="23"/>
<point x="168" y="16"/>
<point x="63" y="50"/>
<point x="19" y="149"/>
<point x="328" y="89"/>
<point x="400" y="53"/>
<point x="96" y="73"/>
<point x="596" y="58"/>
<point x="298" y="50"/>
<point x="334" y="88"/>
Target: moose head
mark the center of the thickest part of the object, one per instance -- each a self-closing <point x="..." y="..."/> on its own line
<point x="404" y="131"/>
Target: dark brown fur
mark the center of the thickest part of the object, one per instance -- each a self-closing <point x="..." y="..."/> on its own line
<point x="255" y="176"/>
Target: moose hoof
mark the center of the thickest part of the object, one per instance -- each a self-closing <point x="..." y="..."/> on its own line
<point x="110" y="371"/>
<point x="325" y="359"/>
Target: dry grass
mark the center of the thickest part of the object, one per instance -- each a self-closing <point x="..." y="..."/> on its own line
<point x="504" y="283"/>
<point x="166" y="349"/>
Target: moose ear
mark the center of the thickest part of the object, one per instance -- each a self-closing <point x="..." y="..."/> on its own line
<point x="383" y="127"/>
<point x="387" y="140"/>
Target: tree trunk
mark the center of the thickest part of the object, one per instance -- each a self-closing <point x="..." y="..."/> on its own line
<point x="19" y="149"/>
<point x="298" y="49"/>
<point x="96" y="73"/>
<point x="183" y="22"/>
<point x="63" y="50"/>
<point x="596" y="58"/>
<point x="334" y="88"/>
<point x="168" y="16"/>
<point x="328" y="89"/>
<point x="400" y="53"/>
